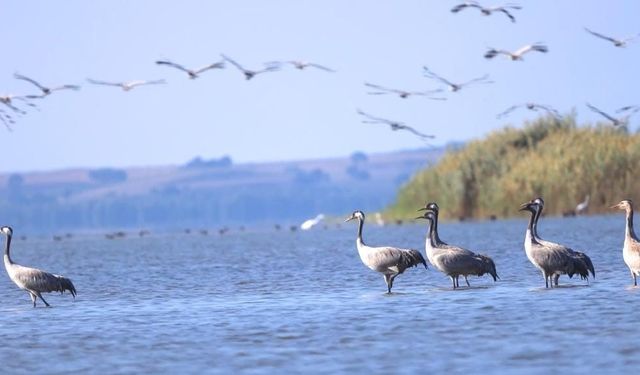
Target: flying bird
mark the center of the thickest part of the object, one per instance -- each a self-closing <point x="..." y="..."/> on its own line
<point x="193" y="73"/>
<point x="517" y="55"/>
<point x="301" y="65"/>
<point x="248" y="74"/>
<point x="616" y="121"/>
<point x="402" y="93"/>
<point x="128" y="85"/>
<point x="530" y="106"/>
<point x="488" y="10"/>
<point x="8" y="101"/>
<point x="453" y="87"/>
<point x="395" y="125"/>
<point x="616" y="42"/>
<point x="33" y="280"/>
<point x="45" y="90"/>
<point x="390" y="261"/>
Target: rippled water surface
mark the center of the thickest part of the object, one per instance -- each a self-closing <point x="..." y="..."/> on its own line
<point x="265" y="302"/>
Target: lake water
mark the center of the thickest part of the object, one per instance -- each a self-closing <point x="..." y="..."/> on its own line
<point x="269" y="302"/>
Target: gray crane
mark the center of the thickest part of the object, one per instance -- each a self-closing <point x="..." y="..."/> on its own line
<point x="390" y="261"/>
<point x="192" y="73"/>
<point x="248" y="74"/>
<point x="45" y="90"/>
<point x="33" y="280"/>
<point x="550" y="258"/>
<point x="631" y="247"/>
<point x="452" y="260"/>
<point x="487" y="10"/>
<point x="516" y="55"/>
<point x="127" y="85"/>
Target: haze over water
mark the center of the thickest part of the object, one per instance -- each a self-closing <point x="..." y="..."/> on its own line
<point x="265" y="302"/>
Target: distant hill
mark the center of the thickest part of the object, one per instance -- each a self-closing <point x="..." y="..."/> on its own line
<point x="206" y="192"/>
<point x="554" y="158"/>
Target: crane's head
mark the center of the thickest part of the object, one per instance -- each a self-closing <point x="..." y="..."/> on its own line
<point x="530" y="206"/>
<point x="428" y="215"/>
<point x="355" y="215"/>
<point x="626" y="204"/>
<point x="539" y="201"/>
<point x="7" y="230"/>
<point x="431" y="206"/>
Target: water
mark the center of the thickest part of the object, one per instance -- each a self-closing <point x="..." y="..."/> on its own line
<point x="303" y="302"/>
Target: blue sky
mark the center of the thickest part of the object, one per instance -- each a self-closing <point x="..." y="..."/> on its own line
<point x="293" y="114"/>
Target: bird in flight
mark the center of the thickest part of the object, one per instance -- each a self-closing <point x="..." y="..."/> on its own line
<point x="248" y="74"/>
<point x="127" y="85"/>
<point x="616" y="121"/>
<point x="488" y="10"/>
<point x="381" y="90"/>
<point x="395" y="125"/>
<point x="517" y="55"/>
<point x="453" y="87"/>
<point x="8" y="101"/>
<point x="616" y="42"/>
<point x="530" y="106"/>
<point x="45" y="90"/>
<point x="301" y="65"/>
<point x="193" y="73"/>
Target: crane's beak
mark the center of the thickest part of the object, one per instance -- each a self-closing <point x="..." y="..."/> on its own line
<point x="349" y="219"/>
<point x="419" y="217"/>
<point x="524" y="206"/>
<point x="422" y="209"/>
<point x="615" y="206"/>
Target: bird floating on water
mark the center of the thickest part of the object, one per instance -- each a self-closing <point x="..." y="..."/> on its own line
<point x="616" y="121"/>
<point x="248" y="74"/>
<point x="618" y="42"/>
<point x="395" y="125"/>
<point x="33" y="280"/>
<point x="45" y="90"/>
<point x="517" y="55"/>
<point x="631" y="247"/>
<point x="550" y="258"/>
<point x="127" y="85"/>
<point x="390" y="261"/>
<point x="402" y="93"/>
<point x="192" y="73"/>
<point x="532" y="107"/>
<point x="487" y="11"/>
<point x="451" y="260"/>
<point x="453" y="87"/>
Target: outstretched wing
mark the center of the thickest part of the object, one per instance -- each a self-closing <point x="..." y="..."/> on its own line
<point x="133" y="84"/>
<point x="430" y="74"/>
<point x="232" y="62"/>
<point x="508" y="110"/>
<point x="464" y="5"/>
<point x="419" y="134"/>
<point x="66" y="87"/>
<point x="602" y="113"/>
<point x="483" y="79"/>
<point x="373" y="119"/>
<point x="105" y="83"/>
<point x="613" y="40"/>
<point x="381" y="88"/>
<point x="32" y="81"/>
<point x="506" y="12"/>
<point x="321" y="67"/>
<point x="493" y="52"/>
<point x="216" y="65"/>
<point x="172" y="64"/>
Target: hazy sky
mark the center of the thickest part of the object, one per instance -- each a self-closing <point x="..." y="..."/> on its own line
<point x="293" y="114"/>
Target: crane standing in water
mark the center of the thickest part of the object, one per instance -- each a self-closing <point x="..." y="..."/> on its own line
<point x="33" y="280"/>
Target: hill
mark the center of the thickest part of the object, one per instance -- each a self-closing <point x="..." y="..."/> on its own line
<point x="549" y="157"/>
<point x="206" y="192"/>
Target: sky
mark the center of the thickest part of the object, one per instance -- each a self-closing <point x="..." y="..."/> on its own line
<point x="293" y="114"/>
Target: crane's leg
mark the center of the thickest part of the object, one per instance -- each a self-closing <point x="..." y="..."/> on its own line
<point x="546" y="279"/>
<point x="635" y="280"/>
<point x="555" y="279"/>
<point x="453" y="280"/>
<point x="40" y="295"/>
<point x="393" y="277"/>
<point x="387" y="279"/>
<point x="33" y="298"/>
<point x="467" y="281"/>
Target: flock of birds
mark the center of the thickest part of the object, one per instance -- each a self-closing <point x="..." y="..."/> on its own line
<point x="550" y="258"/>
<point x="621" y="117"/>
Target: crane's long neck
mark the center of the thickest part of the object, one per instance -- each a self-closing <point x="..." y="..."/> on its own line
<point x="359" y="241"/>
<point x="7" y="255"/>
<point x="534" y="226"/>
<point x="531" y="234"/>
<point x="629" y="233"/>
<point x="433" y="231"/>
